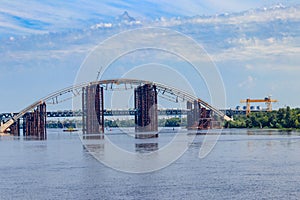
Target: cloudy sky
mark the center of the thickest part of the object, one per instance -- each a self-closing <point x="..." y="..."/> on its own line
<point x="254" y="44"/>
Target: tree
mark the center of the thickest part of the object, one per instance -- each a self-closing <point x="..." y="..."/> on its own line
<point x="249" y="123"/>
<point x="173" y="122"/>
<point x="283" y="118"/>
<point x="288" y="121"/>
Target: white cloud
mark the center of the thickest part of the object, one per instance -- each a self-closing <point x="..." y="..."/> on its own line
<point x="63" y="15"/>
<point x="102" y="25"/>
<point x="234" y="42"/>
<point x="249" y="67"/>
<point x="270" y="50"/>
<point x="254" y="16"/>
<point x="248" y="83"/>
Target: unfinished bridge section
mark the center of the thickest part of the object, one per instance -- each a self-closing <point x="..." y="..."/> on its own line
<point x="92" y="109"/>
<point x="34" y="123"/>
<point x="145" y="104"/>
<point x="201" y="115"/>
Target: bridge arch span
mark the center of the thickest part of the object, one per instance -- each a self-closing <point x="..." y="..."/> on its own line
<point x="77" y="89"/>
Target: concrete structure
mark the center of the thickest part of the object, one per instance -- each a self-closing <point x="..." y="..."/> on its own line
<point x="145" y="104"/>
<point x="92" y="109"/>
<point x="34" y="123"/>
<point x="198" y="117"/>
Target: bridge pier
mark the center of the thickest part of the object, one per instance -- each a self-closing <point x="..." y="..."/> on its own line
<point x="15" y="128"/>
<point x="34" y="123"/>
<point x="93" y="110"/>
<point x="198" y="117"/>
<point x="146" y="117"/>
<point x="205" y="121"/>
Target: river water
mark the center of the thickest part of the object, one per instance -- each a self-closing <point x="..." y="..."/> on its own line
<point x="245" y="164"/>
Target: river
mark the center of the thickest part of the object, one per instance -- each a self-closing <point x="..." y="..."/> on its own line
<point x="244" y="164"/>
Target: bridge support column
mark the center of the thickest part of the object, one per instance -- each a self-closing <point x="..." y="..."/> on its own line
<point x="34" y="123"/>
<point x="205" y="121"/>
<point x="198" y="118"/>
<point x="193" y="115"/>
<point x="146" y="117"/>
<point x="15" y="128"/>
<point x="93" y="110"/>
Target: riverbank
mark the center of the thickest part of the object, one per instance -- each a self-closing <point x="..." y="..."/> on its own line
<point x="283" y="119"/>
<point x="269" y="129"/>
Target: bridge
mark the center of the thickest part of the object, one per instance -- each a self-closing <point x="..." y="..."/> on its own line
<point x="199" y="112"/>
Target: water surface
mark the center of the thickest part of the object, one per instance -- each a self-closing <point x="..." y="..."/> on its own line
<point x="256" y="164"/>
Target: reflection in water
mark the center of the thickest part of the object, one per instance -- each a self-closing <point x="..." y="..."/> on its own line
<point x="146" y="147"/>
<point x="29" y="138"/>
<point x="22" y="137"/>
<point x="270" y="144"/>
<point x="287" y="143"/>
<point x="34" y="138"/>
<point x="125" y="153"/>
<point x="93" y="136"/>
<point x="249" y="132"/>
<point x="250" y="146"/>
<point x="268" y="132"/>
<point x="5" y="137"/>
<point x="94" y="143"/>
<point x="146" y="135"/>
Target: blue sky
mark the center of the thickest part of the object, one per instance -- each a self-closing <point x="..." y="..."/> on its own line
<point x="255" y="44"/>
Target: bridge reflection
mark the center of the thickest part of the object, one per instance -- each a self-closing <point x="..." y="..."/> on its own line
<point x="146" y="147"/>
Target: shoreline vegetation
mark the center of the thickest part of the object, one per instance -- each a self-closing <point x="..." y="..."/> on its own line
<point x="286" y="119"/>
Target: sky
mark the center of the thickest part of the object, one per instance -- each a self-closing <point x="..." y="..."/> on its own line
<point x="255" y="45"/>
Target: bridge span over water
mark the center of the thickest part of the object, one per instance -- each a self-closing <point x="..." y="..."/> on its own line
<point x="146" y="93"/>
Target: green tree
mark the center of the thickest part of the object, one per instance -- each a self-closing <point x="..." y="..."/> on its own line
<point x="288" y="121"/>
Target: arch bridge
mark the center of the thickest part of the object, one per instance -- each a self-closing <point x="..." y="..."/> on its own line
<point x="146" y="93"/>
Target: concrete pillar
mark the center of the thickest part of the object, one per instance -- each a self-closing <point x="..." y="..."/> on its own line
<point x="146" y="117"/>
<point x="93" y="110"/>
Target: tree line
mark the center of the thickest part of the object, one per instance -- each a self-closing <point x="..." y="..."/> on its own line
<point x="284" y="118"/>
